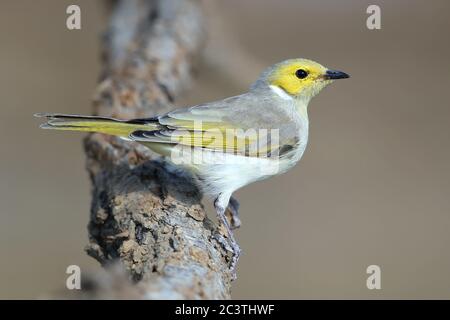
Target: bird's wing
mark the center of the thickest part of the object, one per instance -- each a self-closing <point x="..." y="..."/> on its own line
<point x="240" y="125"/>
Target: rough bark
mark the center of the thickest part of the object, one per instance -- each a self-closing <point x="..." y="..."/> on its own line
<point x="146" y="214"/>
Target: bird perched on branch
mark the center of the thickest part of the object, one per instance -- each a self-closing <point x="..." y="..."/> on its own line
<point x="230" y="143"/>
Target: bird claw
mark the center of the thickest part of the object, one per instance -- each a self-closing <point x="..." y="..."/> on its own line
<point x="234" y="260"/>
<point x="222" y="241"/>
<point x="232" y="247"/>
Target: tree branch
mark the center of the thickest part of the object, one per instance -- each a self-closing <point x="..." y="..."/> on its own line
<point x="146" y="213"/>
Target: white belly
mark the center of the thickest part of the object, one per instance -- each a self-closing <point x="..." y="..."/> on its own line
<point x="226" y="173"/>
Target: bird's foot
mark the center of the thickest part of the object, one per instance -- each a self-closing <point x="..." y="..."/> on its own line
<point x="234" y="259"/>
<point x="232" y="213"/>
<point x="222" y="241"/>
<point x="230" y="243"/>
<point x="232" y="247"/>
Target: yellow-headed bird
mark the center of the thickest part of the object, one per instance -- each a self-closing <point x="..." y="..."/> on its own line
<point x="230" y="143"/>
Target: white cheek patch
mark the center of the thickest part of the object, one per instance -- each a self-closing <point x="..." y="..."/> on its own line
<point x="280" y="92"/>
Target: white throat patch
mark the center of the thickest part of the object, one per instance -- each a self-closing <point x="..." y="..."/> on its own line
<point x="280" y="92"/>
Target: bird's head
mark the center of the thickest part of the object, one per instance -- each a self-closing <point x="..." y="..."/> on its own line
<point x="299" y="78"/>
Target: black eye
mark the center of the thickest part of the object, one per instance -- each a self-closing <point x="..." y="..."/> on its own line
<point x="301" y="74"/>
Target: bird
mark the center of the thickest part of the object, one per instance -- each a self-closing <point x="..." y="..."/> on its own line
<point x="229" y="143"/>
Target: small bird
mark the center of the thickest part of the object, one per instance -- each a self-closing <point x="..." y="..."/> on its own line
<point x="229" y="143"/>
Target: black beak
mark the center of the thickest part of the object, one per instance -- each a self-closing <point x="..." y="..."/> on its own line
<point x="334" y="74"/>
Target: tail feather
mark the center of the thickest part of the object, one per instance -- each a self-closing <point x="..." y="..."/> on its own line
<point x="121" y="128"/>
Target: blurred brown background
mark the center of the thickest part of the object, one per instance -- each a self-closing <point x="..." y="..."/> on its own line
<point x="372" y="188"/>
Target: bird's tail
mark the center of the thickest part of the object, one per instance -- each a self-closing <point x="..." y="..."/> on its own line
<point x="121" y="128"/>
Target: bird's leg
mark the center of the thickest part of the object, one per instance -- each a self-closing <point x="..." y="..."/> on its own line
<point x="233" y="213"/>
<point x="233" y="245"/>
